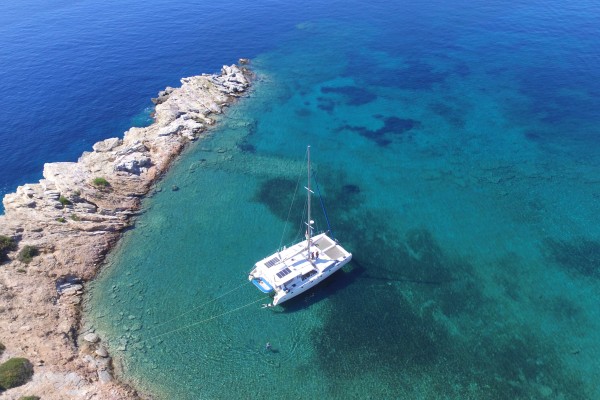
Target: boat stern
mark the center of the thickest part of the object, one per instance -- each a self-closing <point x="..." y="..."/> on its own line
<point x="262" y="285"/>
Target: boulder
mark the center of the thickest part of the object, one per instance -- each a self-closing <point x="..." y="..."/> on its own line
<point x="104" y="376"/>
<point x="133" y="163"/>
<point x="71" y="290"/>
<point x="135" y="147"/>
<point x="107" y="145"/>
<point x="91" y="337"/>
<point x="163" y="95"/>
<point x="101" y="351"/>
<point x="52" y="194"/>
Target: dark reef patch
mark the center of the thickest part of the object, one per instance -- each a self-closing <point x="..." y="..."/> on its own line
<point x="415" y="75"/>
<point x="535" y="136"/>
<point x="339" y="197"/>
<point x="302" y="112"/>
<point x="350" y="189"/>
<point x="462" y="69"/>
<point x="277" y="195"/>
<point x="563" y="308"/>
<point x="355" y="96"/>
<point x="326" y="104"/>
<point x="577" y="257"/>
<point x="417" y="313"/>
<point x="391" y="126"/>
<point x="246" y="147"/>
<point x="451" y="113"/>
<point x="406" y="311"/>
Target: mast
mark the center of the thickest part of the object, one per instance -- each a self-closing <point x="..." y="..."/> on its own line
<point x="309" y="226"/>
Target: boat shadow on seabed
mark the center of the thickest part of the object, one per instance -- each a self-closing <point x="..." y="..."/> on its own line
<point x="338" y="281"/>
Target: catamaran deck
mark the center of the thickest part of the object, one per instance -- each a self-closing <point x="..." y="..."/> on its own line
<point x="284" y="266"/>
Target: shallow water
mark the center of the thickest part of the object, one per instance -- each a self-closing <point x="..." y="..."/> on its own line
<point x="456" y="148"/>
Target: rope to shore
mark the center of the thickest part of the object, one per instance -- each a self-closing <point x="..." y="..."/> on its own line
<point x="197" y="307"/>
<point x="204" y="320"/>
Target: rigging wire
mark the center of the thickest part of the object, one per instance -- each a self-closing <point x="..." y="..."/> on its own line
<point x="323" y="206"/>
<point x="292" y="204"/>
<point x="202" y="321"/>
<point x="197" y="307"/>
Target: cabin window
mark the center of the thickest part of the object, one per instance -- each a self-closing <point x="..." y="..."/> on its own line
<point x="308" y="275"/>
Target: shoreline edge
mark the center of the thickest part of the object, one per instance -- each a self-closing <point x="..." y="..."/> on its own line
<point x="69" y="222"/>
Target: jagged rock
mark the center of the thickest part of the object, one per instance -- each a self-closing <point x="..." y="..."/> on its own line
<point x="107" y="145"/>
<point x="71" y="290"/>
<point x="91" y="337"/>
<point x="85" y="207"/>
<point x="133" y="163"/>
<point x="135" y="147"/>
<point x="28" y="191"/>
<point x="105" y="186"/>
<point x="102" y="362"/>
<point x="52" y="194"/>
<point x="163" y="95"/>
<point x="104" y="376"/>
<point x="101" y="351"/>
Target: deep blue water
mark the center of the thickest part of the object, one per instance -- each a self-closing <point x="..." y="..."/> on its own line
<point x="457" y="147"/>
<point x="76" y="72"/>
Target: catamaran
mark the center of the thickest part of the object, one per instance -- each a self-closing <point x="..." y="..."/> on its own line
<point x="295" y="269"/>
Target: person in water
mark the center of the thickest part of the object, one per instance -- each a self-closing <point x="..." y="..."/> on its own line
<point x="268" y="346"/>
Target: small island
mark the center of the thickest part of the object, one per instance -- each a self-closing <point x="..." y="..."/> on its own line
<point x="55" y="235"/>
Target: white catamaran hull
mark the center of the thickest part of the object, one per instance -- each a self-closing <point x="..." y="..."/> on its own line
<point x="294" y="270"/>
<point x="283" y="296"/>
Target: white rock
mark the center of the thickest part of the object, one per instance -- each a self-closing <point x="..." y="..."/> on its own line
<point x="101" y="351"/>
<point x="91" y="337"/>
<point x="104" y="376"/>
<point x="107" y="145"/>
<point x="133" y="163"/>
<point x="52" y="194"/>
<point x="135" y="147"/>
<point x="170" y="129"/>
<point x="69" y="289"/>
<point x="85" y="207"/>
<point x="28" y="191"/>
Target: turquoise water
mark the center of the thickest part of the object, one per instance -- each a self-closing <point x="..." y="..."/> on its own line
<point x="456" y="147"/>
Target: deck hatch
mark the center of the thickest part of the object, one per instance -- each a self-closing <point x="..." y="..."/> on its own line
<point x="272" y="261"/>
<point x="283" y="272"/>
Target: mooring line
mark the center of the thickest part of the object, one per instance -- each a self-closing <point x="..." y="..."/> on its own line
<point x="204" y="320"/>
<point x="197" y="307"/>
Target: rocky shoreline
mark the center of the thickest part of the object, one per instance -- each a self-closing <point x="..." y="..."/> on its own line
<point x="70" y="220"/>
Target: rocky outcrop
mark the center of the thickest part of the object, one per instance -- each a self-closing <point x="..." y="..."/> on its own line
<point x="73" y="216"/>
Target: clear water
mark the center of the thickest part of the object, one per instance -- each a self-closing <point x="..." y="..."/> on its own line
<point x="456" y="144"/>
